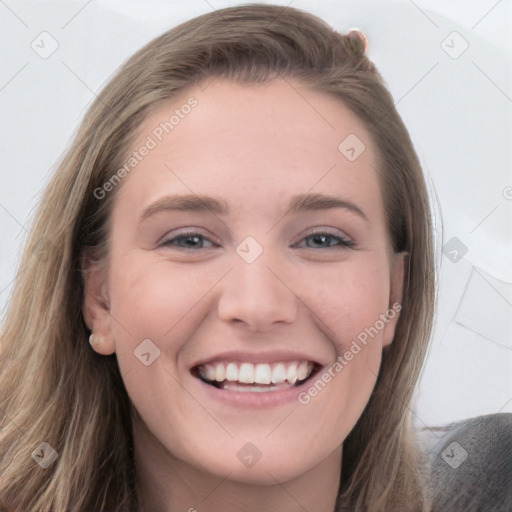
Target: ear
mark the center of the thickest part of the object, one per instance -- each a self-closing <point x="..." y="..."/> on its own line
<point x="96" y="308"/>
<point x="398" y="272"/>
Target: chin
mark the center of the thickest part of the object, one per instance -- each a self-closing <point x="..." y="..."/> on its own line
<point x="263" y="473"/>
<point x="267" y="465"/>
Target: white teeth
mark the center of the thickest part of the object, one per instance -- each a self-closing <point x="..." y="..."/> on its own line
<point x="244" y="389"/>
<point x="209" y="371"/>
<point x="232" y="372"/>
<point x="220" y="373"/>
<point x="246" y="373"/>
<point x="291" y="373"/>
<point x="263" y="373"/>
<point x="279" y="374"/>
<point x="302" y="370"/>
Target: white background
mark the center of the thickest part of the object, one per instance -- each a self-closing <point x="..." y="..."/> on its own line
<point x="457" y="108"/>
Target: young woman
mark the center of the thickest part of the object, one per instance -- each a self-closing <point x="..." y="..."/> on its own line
<point x="227" y="294"/>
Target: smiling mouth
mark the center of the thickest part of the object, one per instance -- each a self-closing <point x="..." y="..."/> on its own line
<point x="263" y="377"/>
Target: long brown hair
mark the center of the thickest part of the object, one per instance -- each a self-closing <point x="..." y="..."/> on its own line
<point x="55" y="389"/>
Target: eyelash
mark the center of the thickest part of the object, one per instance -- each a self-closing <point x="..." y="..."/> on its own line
<point x="343" y="243"/>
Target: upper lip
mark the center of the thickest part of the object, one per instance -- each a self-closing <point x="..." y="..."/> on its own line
<point x="276" y="356"/>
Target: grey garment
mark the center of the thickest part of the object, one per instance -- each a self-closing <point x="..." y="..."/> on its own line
<point x="471" y="464"/>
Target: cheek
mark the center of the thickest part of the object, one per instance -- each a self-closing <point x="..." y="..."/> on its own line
<point x="349" y="304"/>
<point x="150" y="296"/>
<point x="152" y="299"/>
<point x="350" y="299"/>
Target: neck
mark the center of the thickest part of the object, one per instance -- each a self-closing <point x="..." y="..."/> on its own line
<point x="165" y="483"/>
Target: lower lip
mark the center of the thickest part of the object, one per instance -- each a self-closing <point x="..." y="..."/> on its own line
<point x="256" y="399"/>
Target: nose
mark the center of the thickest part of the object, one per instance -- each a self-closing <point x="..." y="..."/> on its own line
<point x="258" y="296"/>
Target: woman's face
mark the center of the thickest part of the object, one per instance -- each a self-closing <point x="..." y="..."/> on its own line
<point x="248" y="243"/>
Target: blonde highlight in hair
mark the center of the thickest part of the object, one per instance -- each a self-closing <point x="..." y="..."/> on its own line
<point x="55" y="389"/>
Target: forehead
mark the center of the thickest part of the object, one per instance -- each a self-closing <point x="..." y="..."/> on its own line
<point x="252" y="140"/>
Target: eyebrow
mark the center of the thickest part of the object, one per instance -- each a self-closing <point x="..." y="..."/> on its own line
<point x="298" y="204"/>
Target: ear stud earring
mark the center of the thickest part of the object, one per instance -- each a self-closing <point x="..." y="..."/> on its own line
<point x="96" y="341"/>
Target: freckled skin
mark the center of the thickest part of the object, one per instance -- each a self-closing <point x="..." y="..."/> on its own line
<point x="253" y="147"/>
